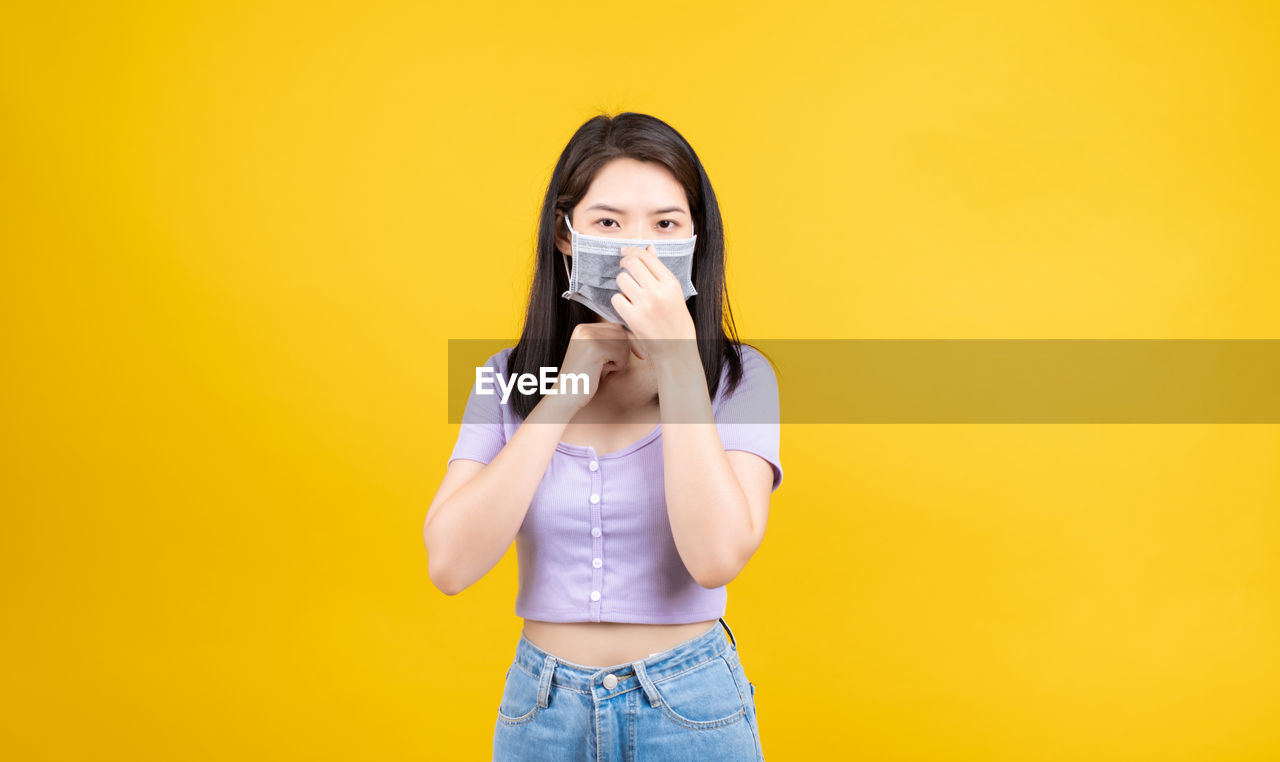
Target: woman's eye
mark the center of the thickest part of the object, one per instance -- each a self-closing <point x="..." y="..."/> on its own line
<point x="608" y="220"/>
<point x="669" y="227"/>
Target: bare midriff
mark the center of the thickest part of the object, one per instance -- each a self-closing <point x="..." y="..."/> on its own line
<point x="604" y="644"/>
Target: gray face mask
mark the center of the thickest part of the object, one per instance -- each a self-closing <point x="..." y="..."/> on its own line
<point x="597" y="262"/>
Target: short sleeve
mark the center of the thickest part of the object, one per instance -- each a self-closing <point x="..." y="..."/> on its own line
<point x="748" y="418"/>
<point x="482" y="435"/>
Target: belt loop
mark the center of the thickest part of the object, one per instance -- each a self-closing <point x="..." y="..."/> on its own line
<point x="544" y="681"/>
<point x="650" y="689"/>
<point x="731" y="638"/>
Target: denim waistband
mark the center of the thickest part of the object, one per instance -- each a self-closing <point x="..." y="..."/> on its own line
<point x="552" y="670"/>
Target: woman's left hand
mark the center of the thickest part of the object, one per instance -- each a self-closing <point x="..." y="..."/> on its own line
<point x="652" y="303"/>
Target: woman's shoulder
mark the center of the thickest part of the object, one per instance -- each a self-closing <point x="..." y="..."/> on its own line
<point x="754" y="362"/>
<point x="757" y="372"/>
<point x="499" y="360"/>
<point x="752" y="356"/>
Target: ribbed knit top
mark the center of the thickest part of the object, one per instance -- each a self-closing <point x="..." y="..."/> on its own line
<point x="596" y="543"/>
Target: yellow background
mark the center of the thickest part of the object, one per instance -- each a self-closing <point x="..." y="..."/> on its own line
<point x="237" y="236"/>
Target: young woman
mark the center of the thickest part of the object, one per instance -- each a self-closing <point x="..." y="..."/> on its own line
<point x="635" y="498"/>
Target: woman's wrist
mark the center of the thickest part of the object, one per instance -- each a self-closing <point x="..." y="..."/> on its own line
<point x="677" y="361"/>
<point x="555" y="408"/>
<point x="682" y="386"/>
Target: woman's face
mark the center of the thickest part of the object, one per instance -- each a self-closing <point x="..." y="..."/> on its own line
<point x="629" y="199"/>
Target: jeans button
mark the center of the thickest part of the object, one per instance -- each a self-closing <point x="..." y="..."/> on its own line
<point x="610" y="681"/>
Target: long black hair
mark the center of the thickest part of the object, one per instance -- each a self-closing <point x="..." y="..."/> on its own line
<point x="549" y="319"/>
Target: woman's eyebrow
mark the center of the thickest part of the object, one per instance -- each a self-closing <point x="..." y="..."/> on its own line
<point x="664" y="210"/>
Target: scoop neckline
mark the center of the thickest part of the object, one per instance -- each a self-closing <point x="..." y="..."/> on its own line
<point x="573" y="449"/>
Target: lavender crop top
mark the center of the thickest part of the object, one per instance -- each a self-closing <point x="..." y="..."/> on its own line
<point x="596" y="543"/>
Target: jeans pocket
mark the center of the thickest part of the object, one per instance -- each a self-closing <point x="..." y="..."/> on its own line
<point x="702" y="698"/>
<point x="519" y="702"/>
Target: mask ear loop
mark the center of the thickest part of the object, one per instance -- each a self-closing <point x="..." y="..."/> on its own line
<point x="568" y="274"/>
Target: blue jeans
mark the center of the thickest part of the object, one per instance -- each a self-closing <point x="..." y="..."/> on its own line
<point x="692" y="701"/>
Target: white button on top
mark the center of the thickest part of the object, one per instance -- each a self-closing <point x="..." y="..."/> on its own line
<point x="610" y="681"/>
<point x="595" y="499"/>
<point x="593" y="466"/>
<point x="595" y="595"/>
<point x="595" y="531"/>
<point x="596" y="562"/>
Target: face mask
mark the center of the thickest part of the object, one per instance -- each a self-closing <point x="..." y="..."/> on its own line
<point x="597" y="262"/>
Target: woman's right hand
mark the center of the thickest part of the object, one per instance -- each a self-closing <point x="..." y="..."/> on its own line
<point x="479" y="507"/>
<point x="596" y="350"/>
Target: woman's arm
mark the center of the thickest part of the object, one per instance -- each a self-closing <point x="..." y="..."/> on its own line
<point x="478" y="508"/>
<point x="717" y="500"/>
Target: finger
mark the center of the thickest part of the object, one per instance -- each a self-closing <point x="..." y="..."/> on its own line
<point x="617" y="356"/>
<point x="640" y="266"/>
<point x="628" y="285"/>
<point x="607" y="340"/>
<point x="610" y="329"/>
<point x="636" y="349"/>
<point x="660" y="271"/>
<point x="623" y="306"/>
<point x="606" y="331"/>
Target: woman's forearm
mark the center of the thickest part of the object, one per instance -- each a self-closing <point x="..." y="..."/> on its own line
<point x="708" y="510"/>
<point x="471" y="529"/>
